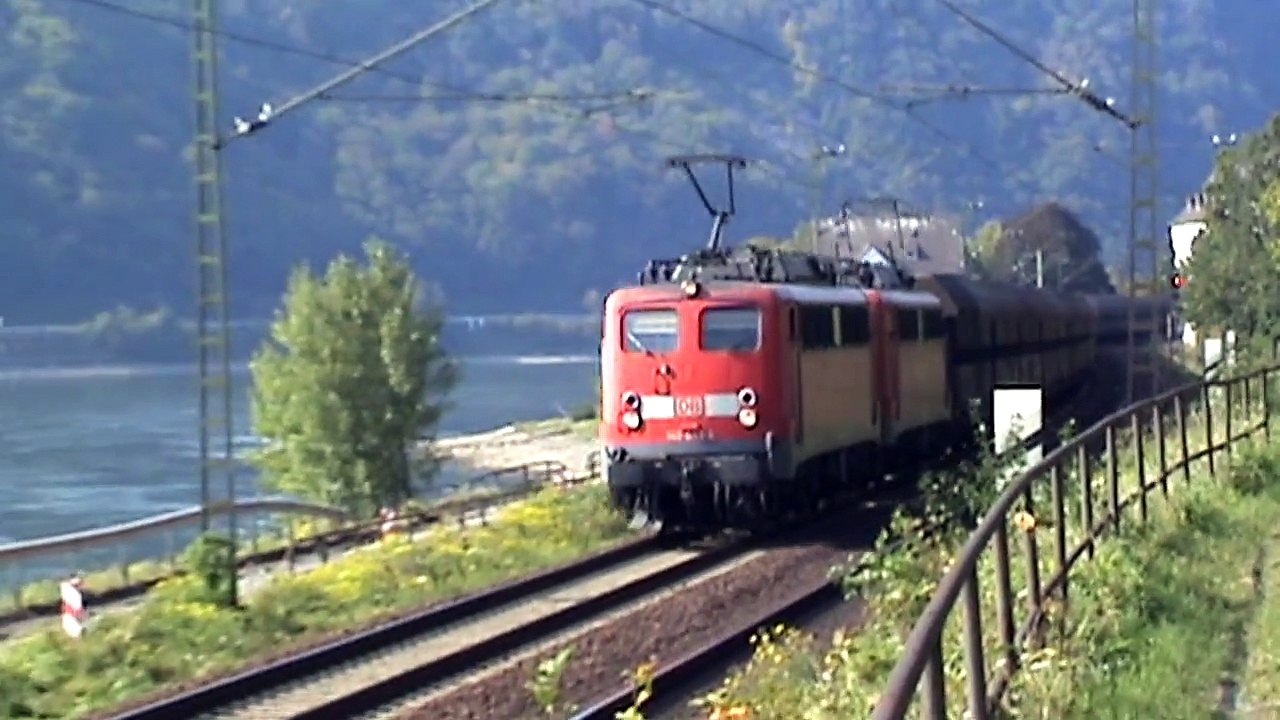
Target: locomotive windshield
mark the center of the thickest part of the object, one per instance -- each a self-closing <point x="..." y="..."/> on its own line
<point x="656" y="331"/>
<point x="731" y="328"/>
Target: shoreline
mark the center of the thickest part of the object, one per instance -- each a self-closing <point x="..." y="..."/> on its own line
<point x="562" y="440"/>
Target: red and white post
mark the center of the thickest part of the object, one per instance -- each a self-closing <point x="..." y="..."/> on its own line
<point x="73" y="614"/>
<point x="390" y="522"/>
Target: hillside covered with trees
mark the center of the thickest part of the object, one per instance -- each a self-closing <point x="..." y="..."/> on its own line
<point x="517" y="158"/>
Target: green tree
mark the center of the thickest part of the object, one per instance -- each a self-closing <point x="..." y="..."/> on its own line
<point x="1067" y="253"/>
<point x="1233" y="278"/>
<point x="980" y="250"/>
<point x="352" y="375"/>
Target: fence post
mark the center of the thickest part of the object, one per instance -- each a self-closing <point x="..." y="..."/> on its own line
<point x="1060" y="523"/>
<point x="977" y="671"/>
<point x="1180" y="414"/>
<point x="1113" y="474"/>
<point x="291" y="549"/>
<point x="1227" y="421"/>
<point x="1086" y="493"/>
<point x="1004" y="596"/>
<point x="1139" y="459"/>
<point x="1208" y="426"/>
<point x="1266" y="402"/>
<point x="1248" y="397"/>
<point x="1033" y="556"/>
<point x="1157" y="416"/>
<point x="935" y="684"/>
<point x="122" y="556"/>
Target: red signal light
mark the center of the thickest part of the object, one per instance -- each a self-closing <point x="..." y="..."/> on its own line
<point x="1178" y="281"/>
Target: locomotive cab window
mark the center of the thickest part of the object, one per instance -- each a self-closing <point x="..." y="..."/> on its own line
<point x="817" y="327"/>
<point x="650" y="331"/>
<point x="730" y="328"/>
<point x="908" y="324"/>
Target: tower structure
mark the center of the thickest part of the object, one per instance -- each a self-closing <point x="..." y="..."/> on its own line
<point x="212" y="331"/>
<point x="1144" y="218"/>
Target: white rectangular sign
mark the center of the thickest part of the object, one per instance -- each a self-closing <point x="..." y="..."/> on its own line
<point x="1212" y="351"/>
<point x="1018" y="414"/>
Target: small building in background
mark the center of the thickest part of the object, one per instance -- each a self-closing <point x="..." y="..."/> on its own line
<point x="919" y="243"/>
<point x="1184" y="229"/>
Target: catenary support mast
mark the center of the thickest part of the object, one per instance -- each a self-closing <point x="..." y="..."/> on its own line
<point x="212" y="331"/>
<point x="1144" y="222"/>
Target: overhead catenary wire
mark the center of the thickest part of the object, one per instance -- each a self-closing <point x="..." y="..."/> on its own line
<point x="455" y="93"/>
<point x="462" y="94"/>
<point x="634" y="95"/>
<point x="854" y="90"/>
<point x="1080" y="88"/>
<point x="938" y="93"/>
<point x="270" y="113"/>
<point x="612" y="99"/>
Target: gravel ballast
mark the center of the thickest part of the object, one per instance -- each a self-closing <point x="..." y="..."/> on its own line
<point x="661" y="631"/>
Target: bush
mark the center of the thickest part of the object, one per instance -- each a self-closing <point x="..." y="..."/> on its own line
<point x="180" y="632"/>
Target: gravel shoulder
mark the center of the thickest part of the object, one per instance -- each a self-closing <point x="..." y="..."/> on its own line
<point x="560" y="440"/>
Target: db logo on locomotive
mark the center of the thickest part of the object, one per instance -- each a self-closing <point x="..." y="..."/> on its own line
<point x="689" y="406"/>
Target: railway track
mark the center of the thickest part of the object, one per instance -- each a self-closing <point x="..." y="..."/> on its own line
<point x="372" y="669"/>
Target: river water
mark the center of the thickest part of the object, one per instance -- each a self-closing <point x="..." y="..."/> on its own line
<point x="87" y="447"/>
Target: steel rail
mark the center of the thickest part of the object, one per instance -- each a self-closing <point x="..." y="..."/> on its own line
<point x="432" y="673"/>
<point x="231" y="689"/>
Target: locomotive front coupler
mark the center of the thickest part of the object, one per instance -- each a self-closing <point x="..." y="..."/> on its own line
<point x="689" y="469"/>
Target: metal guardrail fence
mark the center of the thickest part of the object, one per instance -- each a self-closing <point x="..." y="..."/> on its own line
<point x="921" y="666"/>
<point x="528" y="478"/>
<point x="70" y="542"/>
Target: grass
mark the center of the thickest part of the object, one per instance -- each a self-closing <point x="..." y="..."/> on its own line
<point x="1260" y="697"/>
<point x="1158" y="618"/>
<point x="178" y="633"/>
<point x="792" y="675"/>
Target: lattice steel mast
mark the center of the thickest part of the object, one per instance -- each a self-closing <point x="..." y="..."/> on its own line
<point x="212" y="331"/>
<point x="1144" y="222"/>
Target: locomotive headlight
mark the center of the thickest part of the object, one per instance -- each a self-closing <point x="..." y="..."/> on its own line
<point x="747" y="397"/>
<point x="631" y="420"/>
<point x="631" y="400"/>
<point x="747" y="418"/>
<point x="690" y="288"/>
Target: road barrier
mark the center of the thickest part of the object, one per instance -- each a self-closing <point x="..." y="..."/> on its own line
<point x="921" y="667"/>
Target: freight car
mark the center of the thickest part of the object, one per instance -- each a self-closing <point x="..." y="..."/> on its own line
<point x="742" y="385"/>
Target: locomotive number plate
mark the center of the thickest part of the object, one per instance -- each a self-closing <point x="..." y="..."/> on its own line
<point x="689" y="435"/>
<point x="690" y="406"/>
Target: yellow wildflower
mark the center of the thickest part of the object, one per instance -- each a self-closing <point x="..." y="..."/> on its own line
<point x="1024" y="521"/>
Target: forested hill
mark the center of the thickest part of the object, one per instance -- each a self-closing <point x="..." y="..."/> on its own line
<point x="509" y="203"/>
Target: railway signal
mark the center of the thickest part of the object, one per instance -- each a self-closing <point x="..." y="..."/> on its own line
<point x="1177" y="281"/>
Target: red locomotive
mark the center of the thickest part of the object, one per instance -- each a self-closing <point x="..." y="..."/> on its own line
<point x="741" y="385"/>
